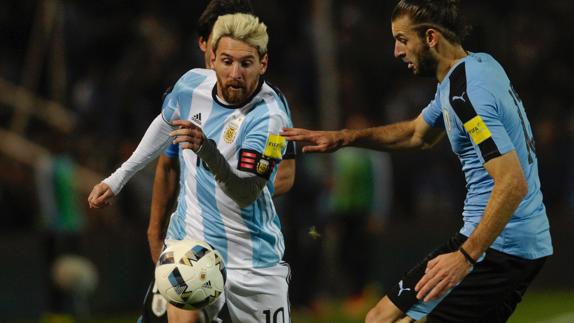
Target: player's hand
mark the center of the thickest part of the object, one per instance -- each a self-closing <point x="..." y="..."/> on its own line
<point x="318" y="141"/>
<point x="442" y="273"/>
<point x="189" y="135"/>
<point x="100" y="196"/>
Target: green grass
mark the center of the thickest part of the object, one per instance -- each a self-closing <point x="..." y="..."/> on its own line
<point x="537" y="306"/>
<point x="545" y="306"/>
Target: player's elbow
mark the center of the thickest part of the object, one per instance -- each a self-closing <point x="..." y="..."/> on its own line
<point x="521" y="187"/>
<point x="516" y="185"/>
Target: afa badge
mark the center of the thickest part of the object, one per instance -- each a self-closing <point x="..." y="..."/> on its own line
<point x="229" y="134"/>
<point x="232" y="129"/>
<point x="262" y="167"/>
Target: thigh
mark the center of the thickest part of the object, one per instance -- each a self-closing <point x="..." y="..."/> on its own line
<point x="258" y="295"/>
<point x="491" y="292"/>
<point x="403" y="294"/>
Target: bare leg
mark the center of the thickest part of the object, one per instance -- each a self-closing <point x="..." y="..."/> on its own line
<point x="385" y="311"/>
<point x="177" y="315"/>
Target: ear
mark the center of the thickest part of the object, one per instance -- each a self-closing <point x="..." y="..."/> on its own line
<point x="264" y="63"/>
<point x="211" y="57"/>
<point x="431" y="37"/>
<point x="202" y="43"/>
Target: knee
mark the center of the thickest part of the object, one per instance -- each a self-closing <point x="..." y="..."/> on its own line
<point x="374" y="315"/>
<point x="385" y="311"/>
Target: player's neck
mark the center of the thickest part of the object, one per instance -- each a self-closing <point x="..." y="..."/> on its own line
<point x="452" y="55"/>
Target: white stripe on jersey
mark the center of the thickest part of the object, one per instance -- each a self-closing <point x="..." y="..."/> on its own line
<point x="248" y="237"/>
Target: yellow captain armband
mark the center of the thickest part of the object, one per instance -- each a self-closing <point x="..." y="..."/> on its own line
<point x="274" y="147"/>
<point x="477" y="130"/>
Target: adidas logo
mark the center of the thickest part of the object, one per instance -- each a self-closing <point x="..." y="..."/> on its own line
<point x="197" y="118"/>
<point x="207" y="284"/>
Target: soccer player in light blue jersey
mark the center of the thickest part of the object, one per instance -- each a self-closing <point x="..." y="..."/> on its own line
<point x="481" y="273"/>
<point x="227" y="122"/>
<point x="165" y="185"/>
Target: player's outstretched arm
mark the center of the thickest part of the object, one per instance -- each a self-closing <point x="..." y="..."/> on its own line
<point x="100" y="196"/>
<point x="412" y="134"/>
<point x="154" y="141"/>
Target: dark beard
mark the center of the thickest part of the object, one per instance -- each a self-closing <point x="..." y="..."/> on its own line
<point x="427" y="63"/>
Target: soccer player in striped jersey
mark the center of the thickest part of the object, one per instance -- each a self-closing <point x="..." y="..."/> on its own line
<point x="165" y="185"/>
<point x="227" y="122"/>
<point x="482" y="272"/>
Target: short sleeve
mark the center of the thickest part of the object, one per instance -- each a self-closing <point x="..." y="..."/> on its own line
<point x="432" y="113"/>
<point x="485" y="129"/>
<point x="262" y="147"/>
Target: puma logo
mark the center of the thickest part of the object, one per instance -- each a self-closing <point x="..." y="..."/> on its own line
<point x="459" y="97"/>
<point x="401" y="289"/>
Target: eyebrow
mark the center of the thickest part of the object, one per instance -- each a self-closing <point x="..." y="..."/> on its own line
<point x="249" y="56"/>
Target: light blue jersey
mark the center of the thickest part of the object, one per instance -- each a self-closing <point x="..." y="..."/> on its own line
<point x="248" y="138"/>
<point x="485" y="118"/>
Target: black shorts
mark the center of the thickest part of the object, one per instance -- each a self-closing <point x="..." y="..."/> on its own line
<point x="489" y="293"/>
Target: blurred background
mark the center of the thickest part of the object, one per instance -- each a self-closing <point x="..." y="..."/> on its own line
<point x="80" y="81"/>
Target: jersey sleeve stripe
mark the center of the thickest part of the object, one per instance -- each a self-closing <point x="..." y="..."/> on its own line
<point x="473" y="123"/>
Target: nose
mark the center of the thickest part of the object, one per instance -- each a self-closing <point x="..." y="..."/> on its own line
<point x="399" y="50"/>
<point x="236" y="71"/>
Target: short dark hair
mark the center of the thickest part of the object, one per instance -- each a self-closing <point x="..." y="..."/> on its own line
<point x="442" y="15"/>
<point x="217" y="8"/>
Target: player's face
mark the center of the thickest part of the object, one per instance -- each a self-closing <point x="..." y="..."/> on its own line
<point x="238" y="68"/>
<point x="411" y="49"/>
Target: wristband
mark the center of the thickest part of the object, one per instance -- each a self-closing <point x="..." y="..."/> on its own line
<point x="467" y="256"/>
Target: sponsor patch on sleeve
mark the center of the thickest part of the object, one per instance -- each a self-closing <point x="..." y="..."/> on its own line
<point x="254" y="162"/>
<point x="477" y="130"/>
<point x="274" y="146"/>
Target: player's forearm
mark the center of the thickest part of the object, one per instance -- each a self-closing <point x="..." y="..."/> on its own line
<point x="395" y="136"/>
<point x="504" y="200"/>
<point x="285" y="177"/>
<point x="152" y="144"/>
<point x="163" y="196"/>
<point x="242" y="190"/>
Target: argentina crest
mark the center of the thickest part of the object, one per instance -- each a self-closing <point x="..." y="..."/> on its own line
<point x="230" y="133"/>
<point x="232" y="128"/>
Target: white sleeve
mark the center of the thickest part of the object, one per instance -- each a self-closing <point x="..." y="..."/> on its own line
<point x="241" y="187"/>
<point x="154" y="141"/>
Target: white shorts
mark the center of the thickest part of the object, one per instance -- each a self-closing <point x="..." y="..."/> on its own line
<point x="255" y="295"/>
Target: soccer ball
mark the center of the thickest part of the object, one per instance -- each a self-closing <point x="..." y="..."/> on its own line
<point x="190" y="274"/>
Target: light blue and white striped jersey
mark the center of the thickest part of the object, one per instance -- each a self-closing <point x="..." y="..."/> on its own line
<point x="248" y="237"/>
<point x="484" y="118"/>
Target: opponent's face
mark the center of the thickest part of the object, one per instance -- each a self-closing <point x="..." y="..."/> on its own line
<point x="238" y="68"/>
<point x="412" y="49"/>
<point x="204" y="44"/>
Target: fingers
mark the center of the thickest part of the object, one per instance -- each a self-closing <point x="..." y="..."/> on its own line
<point x="295" y="134"/>
<point x="314" y="149"/>
<point x="437" y="291"/>
<point x="188" y="138"/>
<point x="185" y="124"/>
<point x="100" y="196"/>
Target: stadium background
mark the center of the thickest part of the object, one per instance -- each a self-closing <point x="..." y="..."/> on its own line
<point x="81" y="80"/>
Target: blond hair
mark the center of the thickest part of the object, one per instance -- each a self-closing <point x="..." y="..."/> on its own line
<point x="243" y="27"/>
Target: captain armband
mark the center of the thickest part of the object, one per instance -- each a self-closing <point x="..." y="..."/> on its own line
<point x="252" y="161"/>
<point x="291" y="151"/>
